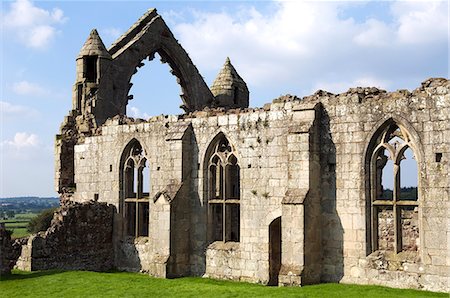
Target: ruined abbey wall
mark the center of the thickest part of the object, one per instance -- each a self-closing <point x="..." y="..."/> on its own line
<point x="272" y="156"/>
<point x="79" y="238"/>
<point x="288" y="194"/>
<point x="277" y="156"/>
<point x="353" y="118"/>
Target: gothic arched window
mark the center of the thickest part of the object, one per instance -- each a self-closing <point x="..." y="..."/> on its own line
<point x="394" y="192"/>
<point x="136" y="196"/>
<point x="223" y="192"/>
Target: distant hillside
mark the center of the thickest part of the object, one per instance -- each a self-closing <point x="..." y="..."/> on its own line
<point x="11" y="206"/>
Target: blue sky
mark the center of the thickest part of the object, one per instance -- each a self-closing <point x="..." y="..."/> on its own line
<point x="278" y="47"/>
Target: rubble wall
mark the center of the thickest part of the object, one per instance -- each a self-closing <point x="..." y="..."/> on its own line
<point x="5" y="250"/>
<point x="79" y="238"/>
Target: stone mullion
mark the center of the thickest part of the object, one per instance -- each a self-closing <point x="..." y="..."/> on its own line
<point x="136" y="220"/>
<point x="396" y="211"/>
<point x="224" y="207"/>
<point x="373" y="214"/>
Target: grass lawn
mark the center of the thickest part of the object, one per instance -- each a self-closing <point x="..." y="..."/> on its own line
<point x="121" y="284"/>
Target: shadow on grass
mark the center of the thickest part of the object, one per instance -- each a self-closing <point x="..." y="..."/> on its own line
<point x="17" y="275"/>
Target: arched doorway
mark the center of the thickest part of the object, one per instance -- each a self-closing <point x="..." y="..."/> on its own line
<point x="274" y="251"/>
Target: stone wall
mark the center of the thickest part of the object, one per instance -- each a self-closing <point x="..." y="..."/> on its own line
<point x="5" y="250"/>
<point x="173" y="159"/>
<point x="289" y="151"/>
<point x="351" y="120"/>
<point x="303" y="160"/>
<point x="79" y="238"/>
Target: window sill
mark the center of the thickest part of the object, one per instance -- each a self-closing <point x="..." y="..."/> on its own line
<point x="136" y="240"/>
<point x="389" y="260"/>
<point x="220" y="245"/>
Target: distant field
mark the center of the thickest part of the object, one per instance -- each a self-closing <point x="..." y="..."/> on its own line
<point x="121" y="284"/>
<point x="19" y="224"/>
<point x="26" y="216"/>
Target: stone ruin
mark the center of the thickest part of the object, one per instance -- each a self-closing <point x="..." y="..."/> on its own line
<point x="292" y="193"/>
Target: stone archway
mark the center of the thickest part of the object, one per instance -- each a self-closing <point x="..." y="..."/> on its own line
<point x="149" y="35"/>
<point x="274" y="251"/>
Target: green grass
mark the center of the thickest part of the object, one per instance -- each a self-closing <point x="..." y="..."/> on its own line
<point x="121" y="284"/>
<point x="26" y="216"/>
<point x="19" y="233"/>
<point x="16" y="224"/>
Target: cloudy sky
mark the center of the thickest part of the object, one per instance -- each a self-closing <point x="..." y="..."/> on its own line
<point x="278" y="47"/>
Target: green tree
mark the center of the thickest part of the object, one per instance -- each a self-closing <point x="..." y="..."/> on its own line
<point x="42" y="221"/>
<point x="10" y="213"/>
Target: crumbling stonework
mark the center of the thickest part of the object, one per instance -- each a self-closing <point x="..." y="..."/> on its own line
<point x="287" y="194"/>
<point x="5" y="250"/>
<point x="79" y="238"/>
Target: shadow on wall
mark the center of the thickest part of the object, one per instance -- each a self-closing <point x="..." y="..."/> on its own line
<point x="127" y="255"/>
<point x="198" y="216"/>
<point x="332" y="230"/>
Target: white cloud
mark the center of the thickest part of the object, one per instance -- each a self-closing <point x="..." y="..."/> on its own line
<point x="29" y="88"/>
<point x="25" y="157"/>
<point x="22" y="140"/>
<point x="375" y="34"/>
<point x="33" y="26"/>
<point x="421" y="21"/>
<point x="9" y="111"/>
<point x="113" y="33"/>
<point x="109" y="35"/>
<point x="136" y="113"/>
<point x="300" y="43"/>
<point x="342" y="86"/>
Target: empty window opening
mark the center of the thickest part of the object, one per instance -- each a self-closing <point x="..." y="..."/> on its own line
<point x="438" y="157"/>
<point x="394" y="193"/>
<point x="385" y="171"/>
<point x="146" y="179"/>
<point x="408" y="176"/>
<point x="90" y="68"/>
<point x="224" y="193"/>
<point x="79" y="96"/>
<point x="155" y="90"/>
<point x="136" y="184"/>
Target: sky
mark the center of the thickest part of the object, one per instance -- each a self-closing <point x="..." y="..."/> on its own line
<point x="278" y="47"/>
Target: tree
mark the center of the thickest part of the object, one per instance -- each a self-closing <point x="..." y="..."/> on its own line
<point x="10" y="213"/>
<point x="42" y="221"/>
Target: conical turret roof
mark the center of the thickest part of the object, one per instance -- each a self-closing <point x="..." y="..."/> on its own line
<point x="228" y="78"/>
<point x="94" y="47"/>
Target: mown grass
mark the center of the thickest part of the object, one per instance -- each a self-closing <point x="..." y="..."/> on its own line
<point x="121" y="284"/>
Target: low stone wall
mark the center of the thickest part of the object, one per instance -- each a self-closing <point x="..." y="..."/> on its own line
<point x="5" y="250"/>
<point x="79" y="238"/>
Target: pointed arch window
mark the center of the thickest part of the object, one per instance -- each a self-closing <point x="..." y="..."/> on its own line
<point x="224" y="193"/>
<point x="136" y="194"/>
<point x="394" y="195"/>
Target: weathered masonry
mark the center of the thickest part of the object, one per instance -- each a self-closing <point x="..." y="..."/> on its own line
<point x="300" y="191"/>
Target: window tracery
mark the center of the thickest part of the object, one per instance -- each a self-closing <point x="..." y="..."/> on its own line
<point x="136" y="197"/>
<point x="394" y="205"/>
<point x="224" y="192"/>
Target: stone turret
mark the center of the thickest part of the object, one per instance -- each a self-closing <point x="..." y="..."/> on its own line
<point x="92" y="62"/>
<point x="229" y="89"/>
